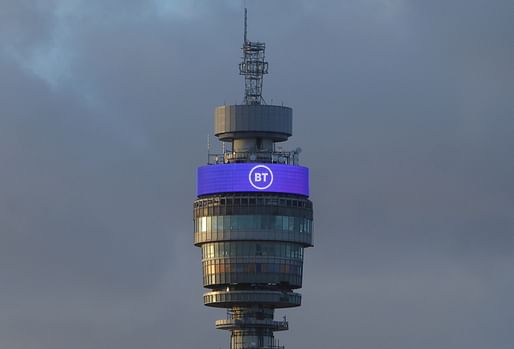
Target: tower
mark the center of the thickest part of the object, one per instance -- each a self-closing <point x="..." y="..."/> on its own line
<point x="252" y="215"/>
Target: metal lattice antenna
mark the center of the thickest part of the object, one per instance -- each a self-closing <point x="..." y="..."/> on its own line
<point x="253" y="67"/>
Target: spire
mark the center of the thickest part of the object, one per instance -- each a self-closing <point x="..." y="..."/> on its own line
<point x="246" y="24"/>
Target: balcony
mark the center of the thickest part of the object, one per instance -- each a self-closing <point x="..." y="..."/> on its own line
<point x="235" y="324"/>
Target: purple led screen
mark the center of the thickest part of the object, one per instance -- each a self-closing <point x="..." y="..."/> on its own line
<point x="252" y="177"/>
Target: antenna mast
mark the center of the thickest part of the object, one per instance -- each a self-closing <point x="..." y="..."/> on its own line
<point x="246" y="24"/>
<point x="253" y="67"/>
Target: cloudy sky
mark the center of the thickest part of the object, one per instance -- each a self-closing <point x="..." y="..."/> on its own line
<point x="405" y="113"/>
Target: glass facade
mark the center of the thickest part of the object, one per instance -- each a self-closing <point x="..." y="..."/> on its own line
<point x="237" y="262"/>
<point x="214" y="224"/>
<point x="219" y="272"/>
<point x="252" y="249"/>
<point x="264" y="204"/>
<point x="252" y="239"/>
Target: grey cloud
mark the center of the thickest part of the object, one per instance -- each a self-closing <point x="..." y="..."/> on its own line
<point x="403" y="109"/>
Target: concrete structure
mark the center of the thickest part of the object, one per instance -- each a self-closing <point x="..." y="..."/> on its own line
<point x="252" y="217"/>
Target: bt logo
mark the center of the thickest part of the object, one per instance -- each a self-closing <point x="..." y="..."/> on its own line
<point x="260" y="177"/>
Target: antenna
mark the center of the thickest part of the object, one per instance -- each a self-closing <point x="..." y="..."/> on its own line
<point x="246" y="24"/>
<point x="253" y="67"/>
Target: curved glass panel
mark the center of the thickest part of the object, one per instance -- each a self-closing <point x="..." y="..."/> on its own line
<point x="238" y="204"/>
<point x="252" y="249"/>
<point x="272" y="271"/>
<point x="214" y="224"/>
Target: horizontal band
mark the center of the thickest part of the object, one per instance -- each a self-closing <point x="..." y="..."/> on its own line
<point x="252" y="177"/>
<point x="274" y="299"/>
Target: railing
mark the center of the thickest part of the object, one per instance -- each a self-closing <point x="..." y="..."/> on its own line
<point x="275" y="345"/>
<point x="268" y="347"/>
<point x="274" y="157"/>
<point x="252" y="323"/>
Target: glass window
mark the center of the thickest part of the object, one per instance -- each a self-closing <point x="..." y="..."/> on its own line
<point x="214" y="224"/>
<point x="277" y="224"/>
<point x="265" y="222"/>
<point x="203" y="224"/>
<point x="239" y="268"/>
<point x="250" y="267"/>
<point x="248" y="222"/>
<point x="234" y="223"/>
<point x="256" y="222"/>
<point x="252" y="248"/>
<point x="258" y="250"/>
<point x="285" y="223"/>
<point x="220" y="223"/>
<point x="208" y="224"/>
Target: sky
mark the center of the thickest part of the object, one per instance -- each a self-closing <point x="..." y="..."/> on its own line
<point x="404" y="110"/>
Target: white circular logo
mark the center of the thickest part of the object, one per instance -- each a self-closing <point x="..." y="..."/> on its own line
<point x="260" y="177"/>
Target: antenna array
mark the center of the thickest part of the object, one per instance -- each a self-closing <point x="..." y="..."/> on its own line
<point x="253" y="67"/>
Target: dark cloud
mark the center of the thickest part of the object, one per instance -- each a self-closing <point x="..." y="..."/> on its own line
<point x="403" y="109"/>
